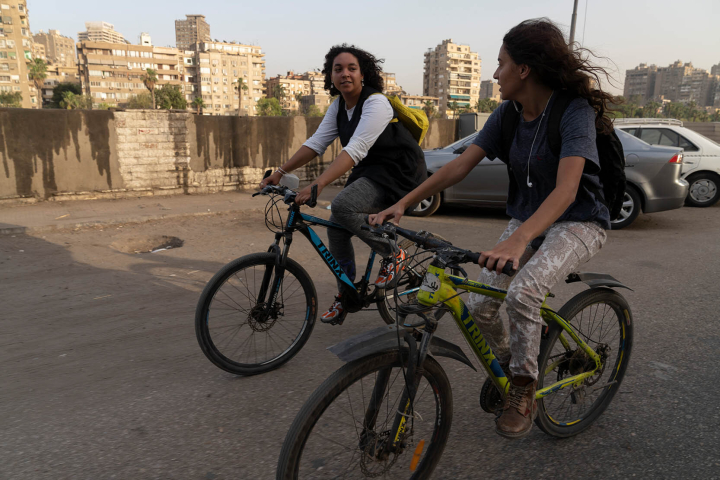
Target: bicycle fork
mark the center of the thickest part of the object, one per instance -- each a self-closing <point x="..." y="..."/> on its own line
<point x="394" y="440"/>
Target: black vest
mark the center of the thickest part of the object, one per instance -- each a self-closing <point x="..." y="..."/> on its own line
<point x="395" y="161"/>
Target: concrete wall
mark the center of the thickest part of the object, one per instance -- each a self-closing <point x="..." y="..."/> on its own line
<point x="708" y="129"/>
<point x="57" y="154"/>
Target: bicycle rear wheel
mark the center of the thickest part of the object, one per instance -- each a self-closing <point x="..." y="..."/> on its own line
<point x="602" y="319"/>
<point x="340" y="431"/>
<point x="233" y="325"/>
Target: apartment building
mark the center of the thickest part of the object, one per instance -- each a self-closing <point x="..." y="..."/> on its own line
<point x="100" y="32"/>
<point x="112" y="73"/>
<point x="418" y="102"/>
<point x="59" y="49"/>
<point x="452" y="73"/>
<point x="191" y="31"/>
<point x="57" y="74"/>
<point x="212" y="72"/>
<point x="317" y="82"/>
<point x="489" y="89"/>
<point x="320" y="100"/>
<point x="38" y="51"/>
<point x="16" y="52"/>
<point x="294" y="87"/>
<point x="640" y="83"/>
<point x="391" y="85"/>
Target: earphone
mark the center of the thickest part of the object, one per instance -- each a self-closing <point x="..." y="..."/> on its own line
<point x="529" y="183"/>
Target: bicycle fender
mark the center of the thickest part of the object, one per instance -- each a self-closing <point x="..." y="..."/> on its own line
<point x="385" y="338"/>
<point x="595" y="280"/>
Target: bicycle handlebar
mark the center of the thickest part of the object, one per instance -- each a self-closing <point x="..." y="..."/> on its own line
<point x="289" y="194"/>
<point x="430" y="243"/>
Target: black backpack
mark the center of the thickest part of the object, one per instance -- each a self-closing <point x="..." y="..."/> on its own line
<point x="610" y="152"/>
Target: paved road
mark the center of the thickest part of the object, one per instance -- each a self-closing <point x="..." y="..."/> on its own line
<point x="102" y="377"/>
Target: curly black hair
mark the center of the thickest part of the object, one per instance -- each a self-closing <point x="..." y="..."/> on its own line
<point x="369" y="67"/>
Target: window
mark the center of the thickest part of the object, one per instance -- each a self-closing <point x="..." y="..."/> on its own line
<point x="4" y="78"/>
<point x="12" y="55"/>
<point x="7" y="20"/>
<point x="24" y="32"/>
<point x="3" y="55"/>
<point x="686" y="145"/>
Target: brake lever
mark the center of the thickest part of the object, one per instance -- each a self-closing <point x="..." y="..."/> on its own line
<point x="458" y="268"/>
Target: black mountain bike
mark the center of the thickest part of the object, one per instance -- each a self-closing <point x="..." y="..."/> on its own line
<point x="258" y="311"/>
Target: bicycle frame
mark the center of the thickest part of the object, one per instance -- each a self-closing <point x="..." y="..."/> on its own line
<point x="443" y="290"/>
<point x="296" y="221"/>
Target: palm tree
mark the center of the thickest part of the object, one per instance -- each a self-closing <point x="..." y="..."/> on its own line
<point x="279" y="92"/>
<point x="198" y="103"/>
<point x="37" y="73"/>
<point x="240" y="87"/>
<point x="150" y="79"/>
<point x="429" y="108"/>
<point x="454" y="107"/>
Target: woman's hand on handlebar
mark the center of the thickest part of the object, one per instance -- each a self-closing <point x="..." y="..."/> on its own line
<point x="507" y="251"/>
<point x="394" y="213"/>
<point x="304" y="195"/>
<point x="273" y="179"/>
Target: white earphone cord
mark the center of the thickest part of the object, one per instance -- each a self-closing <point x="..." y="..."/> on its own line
<point x="529" y="183"/>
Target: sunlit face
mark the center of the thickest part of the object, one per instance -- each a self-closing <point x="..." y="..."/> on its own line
<point x="346" y="74"/>
<point x="508" y="75"/>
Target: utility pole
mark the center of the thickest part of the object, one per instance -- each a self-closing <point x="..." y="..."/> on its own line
<point x="572" y="25"/>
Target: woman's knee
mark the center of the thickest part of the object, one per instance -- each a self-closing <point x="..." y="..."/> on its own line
<point x="523" y="297"/>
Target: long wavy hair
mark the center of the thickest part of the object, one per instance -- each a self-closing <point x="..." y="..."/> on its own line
<point x="539" y="44"/>
<point x="369" y="67"/>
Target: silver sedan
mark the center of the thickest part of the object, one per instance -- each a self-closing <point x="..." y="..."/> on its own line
<point x="652" y="171"/>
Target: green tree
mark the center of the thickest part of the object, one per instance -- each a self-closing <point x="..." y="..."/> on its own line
<point x="140" y="101"/>
<point x="278" y="91"/>
<point x="198" y="103"/>
<point x="651" y="110"/>
<point x="72" y="101"/>
<point x="453" y="107"/>
<point x="37" y="73"/>
<point x="486" y="105"/>
<point x="150" y="79"/>
<point x="169" y="97"/>
<point x="105" y="106"/>
<point x="429" y="108"/>
<point x="314" y="111"/>
<point x="60" y="89"/>
<point x="674" y="110"/>
<point x="715" y="117"/>
<point x="11" y="99"/>
<point x="240" y="87"/>
<point x="269" y="107"/>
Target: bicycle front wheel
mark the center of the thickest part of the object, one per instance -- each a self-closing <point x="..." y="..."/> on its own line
<point x="234" y="326"/>
<point x="343" y="430"/>
<point x="602" y="319"/>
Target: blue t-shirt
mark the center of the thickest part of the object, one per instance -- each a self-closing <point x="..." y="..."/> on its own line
<point x="577" y="130"/>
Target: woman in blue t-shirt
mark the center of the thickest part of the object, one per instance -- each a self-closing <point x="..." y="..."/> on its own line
<point x="551" y="196"/>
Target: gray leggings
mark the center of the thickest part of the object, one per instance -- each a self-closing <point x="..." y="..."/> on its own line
<point x="566" y="245"/>
<point x="360" y="198"/>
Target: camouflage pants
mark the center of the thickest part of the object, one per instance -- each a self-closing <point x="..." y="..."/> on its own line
<point x="566" y="245"/>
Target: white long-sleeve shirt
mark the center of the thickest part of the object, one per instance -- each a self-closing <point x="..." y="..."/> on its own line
<point x="376" y="114"/>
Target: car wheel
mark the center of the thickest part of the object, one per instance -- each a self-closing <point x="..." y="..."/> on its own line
<point x="703" y="191"/>
<point x="427" y="207"/>
<point x="630" y="209"/>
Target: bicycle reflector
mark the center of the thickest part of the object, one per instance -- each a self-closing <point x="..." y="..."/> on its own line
<point x="416" y="456"/>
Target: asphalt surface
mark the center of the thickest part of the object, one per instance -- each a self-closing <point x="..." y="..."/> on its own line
<point x="102" y="376"/>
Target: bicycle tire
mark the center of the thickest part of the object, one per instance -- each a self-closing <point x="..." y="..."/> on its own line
<point x="341" y="381"/>
<point x="595" y="301"/>
<point x="206" y="324"/>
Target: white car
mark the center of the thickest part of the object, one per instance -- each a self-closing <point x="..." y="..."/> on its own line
<point x="701" y="160"/>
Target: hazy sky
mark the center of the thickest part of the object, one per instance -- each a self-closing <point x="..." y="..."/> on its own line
<point x="295" y="35"/>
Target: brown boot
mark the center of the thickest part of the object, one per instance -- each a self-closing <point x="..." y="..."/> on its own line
<point x="519" y="408"/>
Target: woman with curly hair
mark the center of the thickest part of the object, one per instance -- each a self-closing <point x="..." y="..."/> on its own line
<point x="386" y="161"/>
<point x="554" y="197"/>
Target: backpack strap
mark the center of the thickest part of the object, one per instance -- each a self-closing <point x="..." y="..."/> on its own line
<point x="508" y="127"/>
<point x="562" y="101"/>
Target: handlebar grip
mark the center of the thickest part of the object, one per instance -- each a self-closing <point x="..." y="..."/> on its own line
<point x="365" y="227"/>
<point x="267" y="174"/>
<point x="507" y="269"/>
<point x="313" y="196"/>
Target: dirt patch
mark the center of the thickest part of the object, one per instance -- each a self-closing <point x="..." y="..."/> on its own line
<point x="153" y="244"/>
